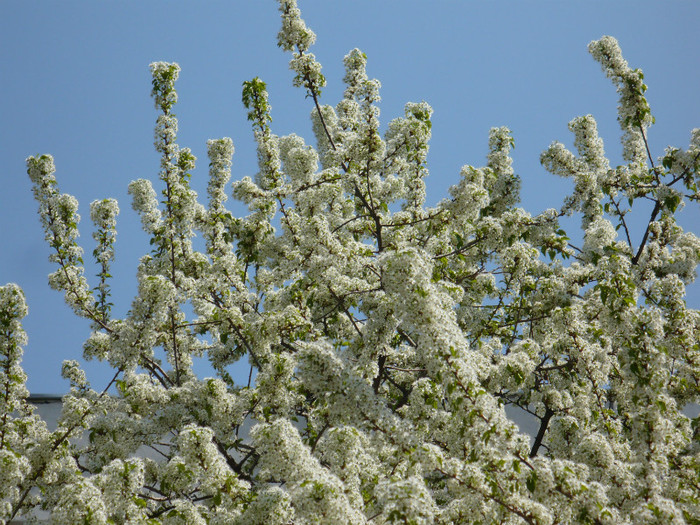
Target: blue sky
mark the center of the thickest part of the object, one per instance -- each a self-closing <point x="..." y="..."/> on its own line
<point x="75" y="83"/>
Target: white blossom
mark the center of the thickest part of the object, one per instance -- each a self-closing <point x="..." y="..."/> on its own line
<point x="387" y="342"/>
<point x="146" y="204"/>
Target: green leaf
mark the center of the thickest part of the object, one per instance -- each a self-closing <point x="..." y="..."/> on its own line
<point x="532" y="481"/>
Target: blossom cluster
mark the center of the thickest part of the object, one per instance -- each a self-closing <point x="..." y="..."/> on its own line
<point x="388" y="343"/>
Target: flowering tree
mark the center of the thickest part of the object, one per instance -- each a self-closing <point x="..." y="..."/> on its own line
<point x="387" y="337"/>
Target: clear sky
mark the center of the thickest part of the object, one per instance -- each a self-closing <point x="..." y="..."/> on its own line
<point x="75" y="83"/>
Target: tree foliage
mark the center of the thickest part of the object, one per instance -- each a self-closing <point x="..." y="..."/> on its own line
<point x="387" y="338"/>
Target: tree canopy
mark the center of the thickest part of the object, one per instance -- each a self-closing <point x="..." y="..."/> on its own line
<point x="386" y="338"/>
